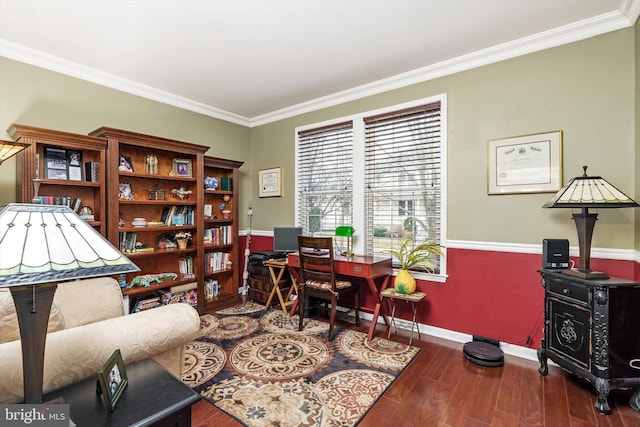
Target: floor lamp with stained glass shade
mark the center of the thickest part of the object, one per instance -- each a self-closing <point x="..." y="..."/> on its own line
<point x="585" y="192"/>
<point x="40" y="246"/>
<point x="10" y="148"/>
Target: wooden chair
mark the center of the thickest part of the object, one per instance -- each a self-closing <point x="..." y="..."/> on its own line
<point x="318" y="278"/>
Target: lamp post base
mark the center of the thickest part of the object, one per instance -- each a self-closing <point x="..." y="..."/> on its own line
<point x="587" y="275"/>
<point x="33" y="305"/>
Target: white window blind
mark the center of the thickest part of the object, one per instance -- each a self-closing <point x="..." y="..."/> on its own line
<point x="325" y="178"/>
<point x="403" y="157"/>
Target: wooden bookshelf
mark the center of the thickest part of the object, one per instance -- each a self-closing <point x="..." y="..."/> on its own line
<point x="73" y="183"/>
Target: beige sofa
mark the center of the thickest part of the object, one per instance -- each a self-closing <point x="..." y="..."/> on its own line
<point x="86" y="325"/>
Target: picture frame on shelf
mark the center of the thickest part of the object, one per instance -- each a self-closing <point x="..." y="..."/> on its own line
<point x="182" y="167"/>
<point x="124" y="191"/>
<point x="74" y="158"/>
<point x="525" y="164"/>
<point x="125" y="164"/>
<point x="112" y="379"/>
<point x="270" y="182"/>
<point x="55" y="163"/>
<point x="166" y="241"/>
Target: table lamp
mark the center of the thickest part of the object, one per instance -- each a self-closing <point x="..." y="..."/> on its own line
<point x="41" y="245"/>
<point x="586" y="192"/>
<point x="10" y="148"/>
<point x="346" y="231"/>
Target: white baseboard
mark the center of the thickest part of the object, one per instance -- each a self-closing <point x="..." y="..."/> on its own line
<point x="509" y="349"/>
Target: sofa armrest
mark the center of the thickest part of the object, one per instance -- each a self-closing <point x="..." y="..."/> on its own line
<point x="78" y="353"/>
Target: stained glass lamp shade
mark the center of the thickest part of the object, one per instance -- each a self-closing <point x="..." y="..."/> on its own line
<point x="586" y="192"/>
<point x="41" y="245"/>
<point x="10" y="148"/>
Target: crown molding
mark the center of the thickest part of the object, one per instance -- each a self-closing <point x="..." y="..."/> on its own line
<point x="577" y="31"/>
<point x="624" y="17"/>
<point x="53" y="63"/>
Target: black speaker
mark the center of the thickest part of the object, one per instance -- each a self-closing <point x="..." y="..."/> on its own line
<point x="555" y="253"/>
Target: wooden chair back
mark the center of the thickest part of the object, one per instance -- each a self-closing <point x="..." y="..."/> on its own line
<point x="316" y="260"/>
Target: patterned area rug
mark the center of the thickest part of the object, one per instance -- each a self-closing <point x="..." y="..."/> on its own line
<point x="257" y="367"/>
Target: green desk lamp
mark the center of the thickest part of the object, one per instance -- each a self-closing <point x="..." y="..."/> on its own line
<point x="346" y="231"/>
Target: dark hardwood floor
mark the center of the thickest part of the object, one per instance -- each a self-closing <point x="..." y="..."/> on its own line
<point x="441" y="388"/>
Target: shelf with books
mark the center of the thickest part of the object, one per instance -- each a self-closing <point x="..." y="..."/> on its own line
<point x="220" y="232"/>
<point x="61" y="165"/>
<point x="153" y="191"/>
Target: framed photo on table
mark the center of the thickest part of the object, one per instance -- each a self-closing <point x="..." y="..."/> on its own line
<point x="270" y="182"/>
<point x="112" y="380"/>
<point x="525" y="164"/>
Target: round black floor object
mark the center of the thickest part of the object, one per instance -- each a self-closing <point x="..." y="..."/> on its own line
<point x="483" y="353"/>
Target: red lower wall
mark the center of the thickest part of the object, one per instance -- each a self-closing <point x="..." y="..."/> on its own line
<point x="493" y="294"/>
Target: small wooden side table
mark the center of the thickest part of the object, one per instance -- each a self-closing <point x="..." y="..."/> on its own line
<point x="280" y="265"/>
<point x="391" y="296"/>
<point x="153" y="397"/>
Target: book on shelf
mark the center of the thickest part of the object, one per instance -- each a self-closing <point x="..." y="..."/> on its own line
<point x="60" y="201"/>
<point x="128" y="241"/>
<point x="189" y="296"/>
<point x="207" y="237"/>
<point x="217" y="261"/>
<point x="211" y="288"/>
<point x="91" y="171"/>
<point x="218" y="235"/>
<point x="146" y="304"/>
<point x="178" y="215"/>
<point x="185" y="267"/>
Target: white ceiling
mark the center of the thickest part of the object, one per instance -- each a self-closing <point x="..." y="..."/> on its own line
<point x="255" y="61"/>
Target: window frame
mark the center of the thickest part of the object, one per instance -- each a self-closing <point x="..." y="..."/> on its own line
<point x="359" y="173"/>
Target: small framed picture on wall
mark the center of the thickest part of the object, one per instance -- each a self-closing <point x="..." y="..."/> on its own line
<point x="270" y="182"/>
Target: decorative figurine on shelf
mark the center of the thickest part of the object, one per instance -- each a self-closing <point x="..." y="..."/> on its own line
<point x="86" y="213"/>
<point x="151" y="164"/>
<point x="182" y="239"/>
<point x="147" y="279"/>
<point x="210" y="183"/>
<point x="156" y="193"/>
<point x="122" y="280"/>
<point x="181" y="193"/>
<point x="225" y="207"/>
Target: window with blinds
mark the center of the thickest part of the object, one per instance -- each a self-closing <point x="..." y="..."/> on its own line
<point x="382" y="172"/>
<point x="403" y="177"/>
<point x="325" y="178"/>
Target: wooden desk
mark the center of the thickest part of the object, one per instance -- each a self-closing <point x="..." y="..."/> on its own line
<point x="376" y="270"/>
<point x="153" y="397"/>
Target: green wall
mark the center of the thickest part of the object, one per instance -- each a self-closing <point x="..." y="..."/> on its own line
<point x="586" y="89"/>
<point x="36" y="97"/>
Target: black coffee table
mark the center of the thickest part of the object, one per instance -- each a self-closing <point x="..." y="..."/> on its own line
<point x="153" y="397"/>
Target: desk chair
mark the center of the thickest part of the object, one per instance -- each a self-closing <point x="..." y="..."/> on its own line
<point x="318" y="278"/>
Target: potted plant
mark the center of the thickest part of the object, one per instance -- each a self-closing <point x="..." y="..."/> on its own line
<point x="182" y="238"/>
<point x="412" y="255"/>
